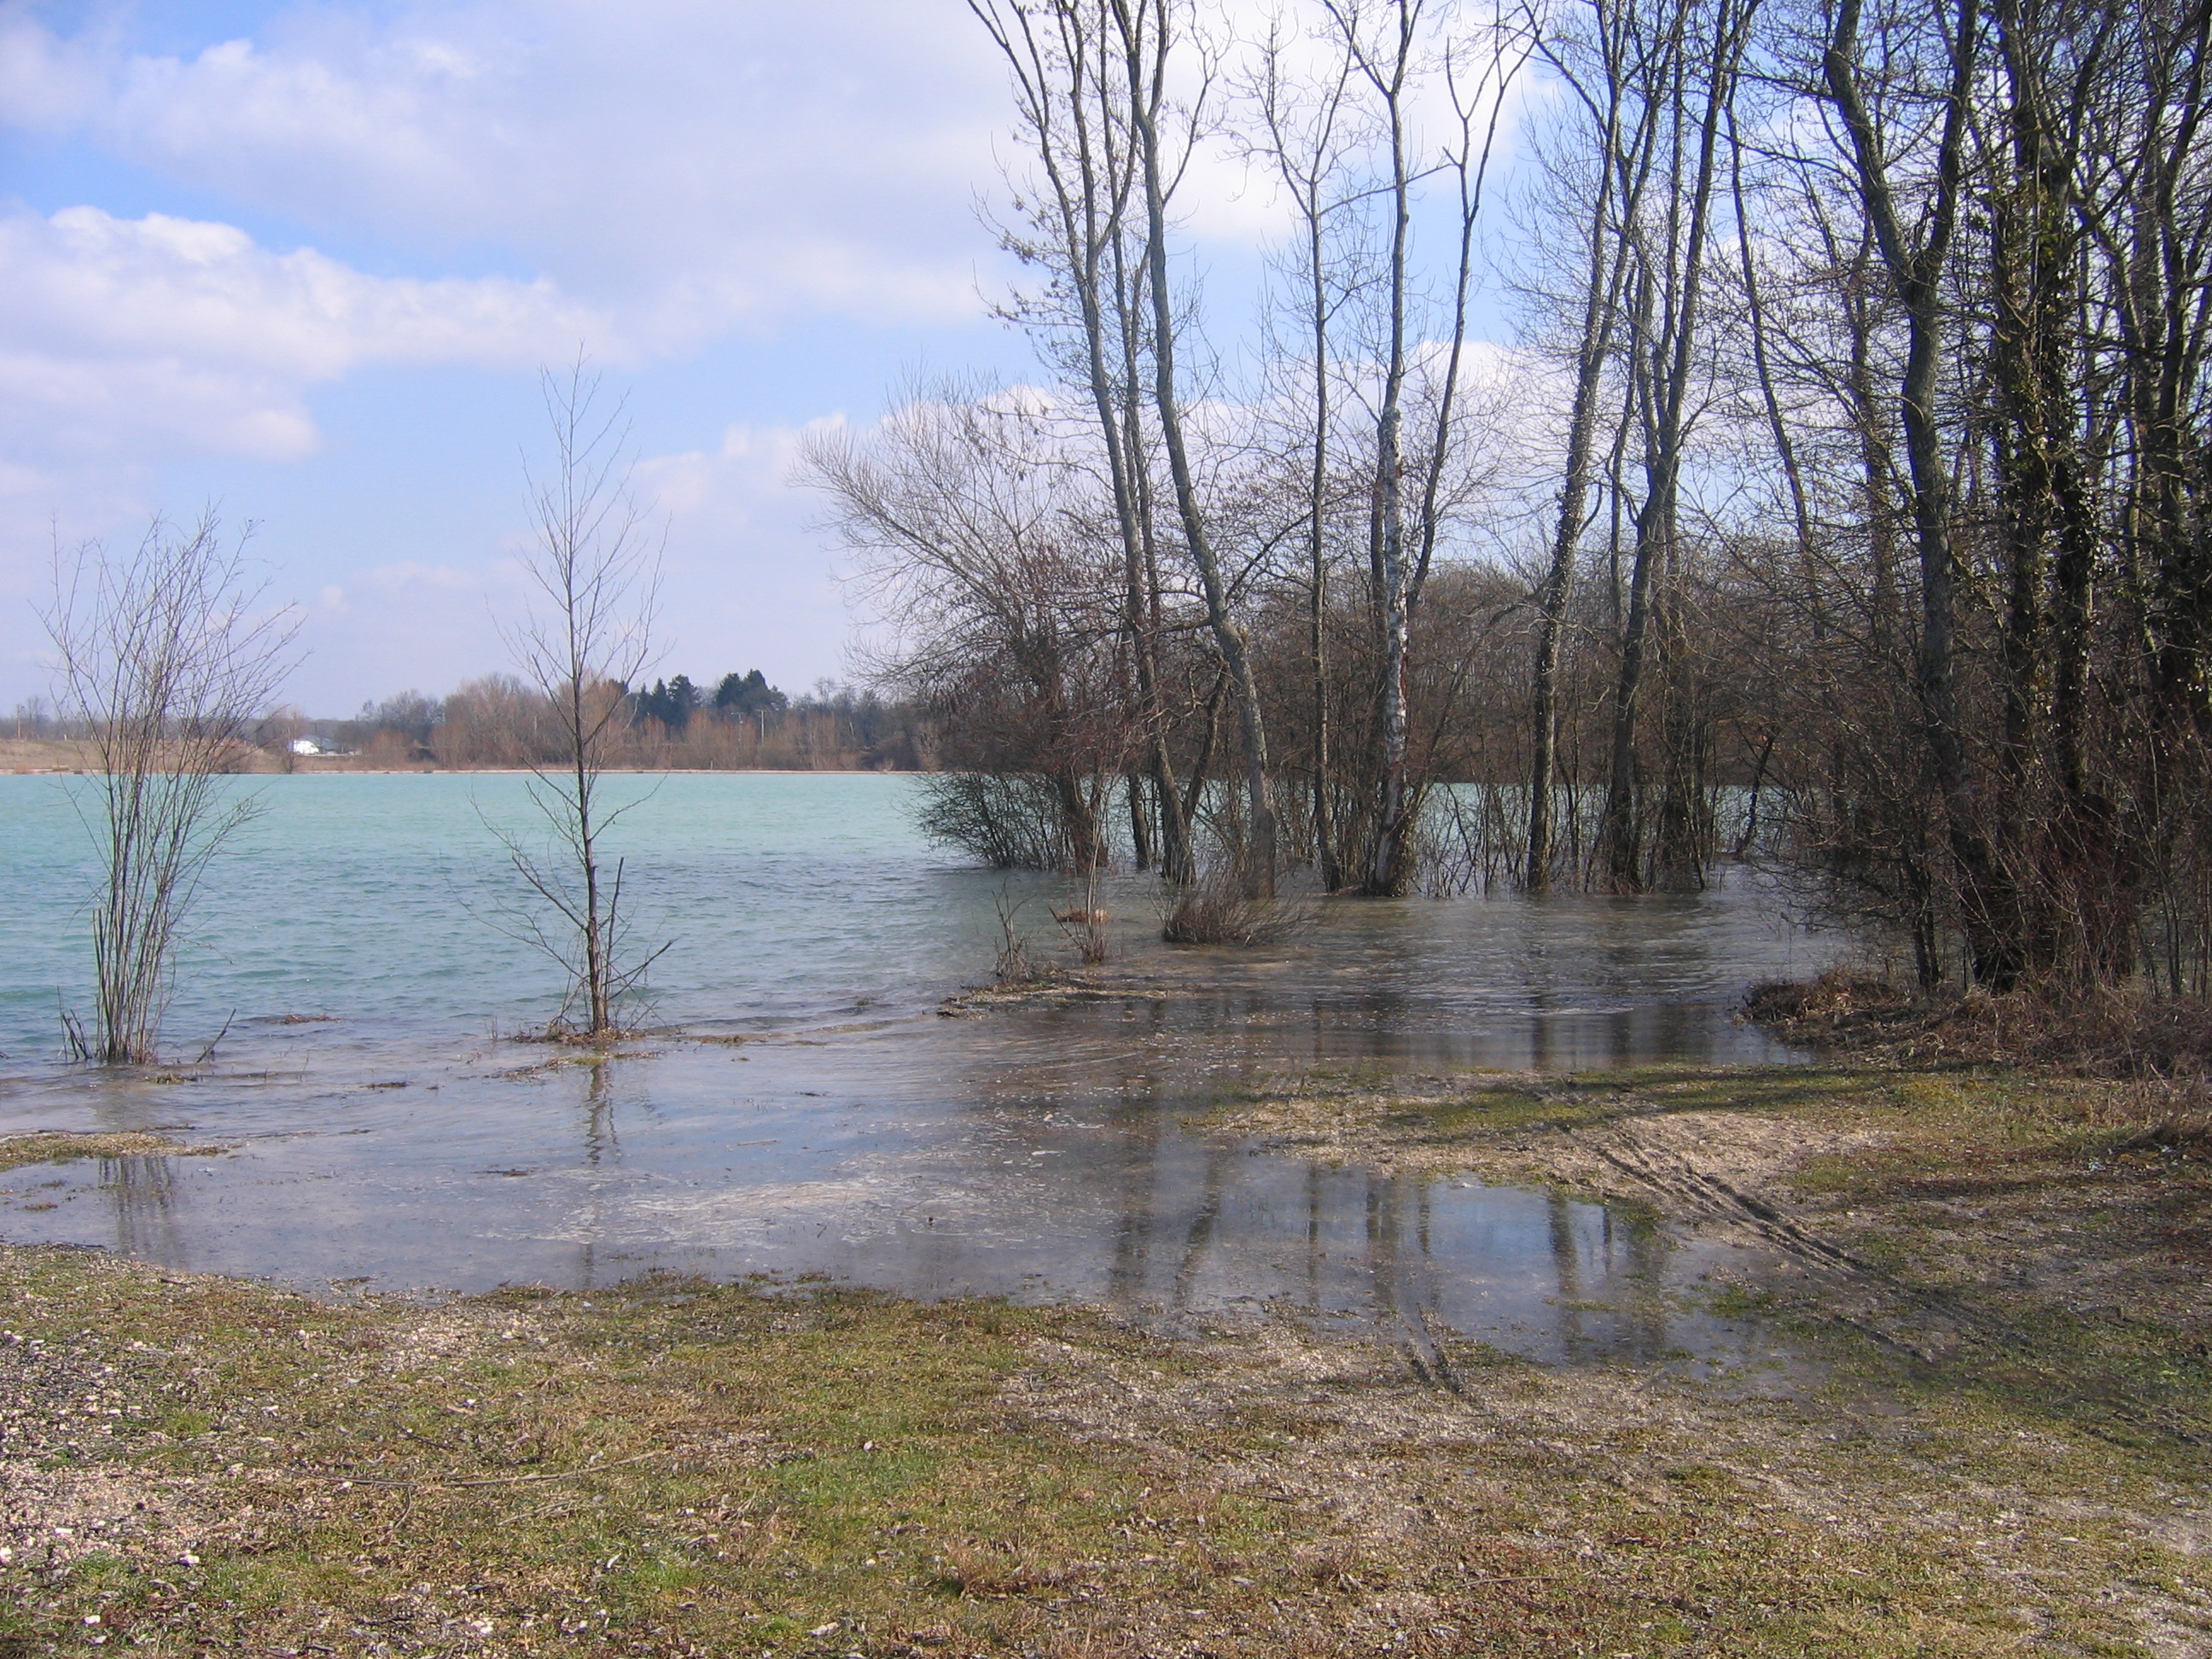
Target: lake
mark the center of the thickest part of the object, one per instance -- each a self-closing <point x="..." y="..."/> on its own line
<point x="381" y="1130"/>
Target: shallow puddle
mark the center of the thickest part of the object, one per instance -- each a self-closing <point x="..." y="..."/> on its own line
<point x="921" y="1158"/>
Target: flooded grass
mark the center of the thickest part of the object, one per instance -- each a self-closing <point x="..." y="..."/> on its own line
<point x="2006" y="1453"/>
<point x="58" y="1146"/>
<point x="2006" y="1254"/>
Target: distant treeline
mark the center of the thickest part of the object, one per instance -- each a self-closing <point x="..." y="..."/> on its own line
<point x="675" y="724"/>
<point x="743" y="721"/>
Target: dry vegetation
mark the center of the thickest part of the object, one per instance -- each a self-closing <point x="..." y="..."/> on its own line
<point x="57" y="1147"/>
<point x="2036" y="1238"/>
<point x="2165" y="1043"/>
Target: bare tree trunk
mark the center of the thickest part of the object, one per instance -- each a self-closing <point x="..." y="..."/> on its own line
<point x="1307" y="160"/>
<point x="1146" y="34"/>
<point x="1177" y="864"/>
<point x="1917" y="272"/>
<point x="1384" y="875"/>
<point x="1064" y="80"/>
<point x="1672" y="359"/>
<point x="1140" y="829"/>
<point x="1770" y="403"/>
<point x="1606" y="269"/>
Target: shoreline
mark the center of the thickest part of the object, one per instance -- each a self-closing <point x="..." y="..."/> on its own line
<point x="508" y="771"/>
<point x="1998" y="1445"/>
<point x="60" y="756"/>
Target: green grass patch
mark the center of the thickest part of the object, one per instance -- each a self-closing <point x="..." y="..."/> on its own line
<point x="56" y="1146"/>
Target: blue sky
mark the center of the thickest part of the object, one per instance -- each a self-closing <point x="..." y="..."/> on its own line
<point x="304" y="262"/>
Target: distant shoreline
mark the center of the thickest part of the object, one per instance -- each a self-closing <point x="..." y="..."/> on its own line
<point x="11" y="771"/>
<point x="61" y="757"/>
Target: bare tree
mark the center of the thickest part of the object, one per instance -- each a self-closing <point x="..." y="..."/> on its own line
<point x="597" y="571"/>
<point x="1073" y="119"/>
<point x="1146" y="34"/>
<point x="1595" y="76"/>
<point x="977" y="521"/>
<point x="168" y="658"/>
<point x="1312" y="137"/>
<point x="1830" y="283"/>
<point x="1394" y="52"/>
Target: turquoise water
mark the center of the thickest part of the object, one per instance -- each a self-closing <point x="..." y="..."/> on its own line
<point x="789" y="899"/>
<point x="374" y="1129"/>
<point x="385" y="903"/>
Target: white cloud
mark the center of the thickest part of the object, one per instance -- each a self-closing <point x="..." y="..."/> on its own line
<point x="49" y="83"/>
<point x="410" y="624"/>
<point x="487" y="183"/>
<point x="694" y="161"/>
<point x="747" y="581"/>
<point x="122" y="339"/>
<point x="745" y="584"/>
<point x="663" y="172"/>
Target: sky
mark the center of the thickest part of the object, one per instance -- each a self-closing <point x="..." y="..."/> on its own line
<point x="304" y="265"/>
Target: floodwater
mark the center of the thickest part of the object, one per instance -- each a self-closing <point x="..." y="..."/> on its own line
<point x="809" y="1112"/>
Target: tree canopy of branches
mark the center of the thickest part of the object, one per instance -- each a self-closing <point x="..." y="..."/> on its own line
<point x="1141" y="600"/>
<point x="1841" y="500"/>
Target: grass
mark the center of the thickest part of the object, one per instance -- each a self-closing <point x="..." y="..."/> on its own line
<point x="59" y="1146"/>
<point x="2002" y="1451"/>
<point x="698" y="1469"/>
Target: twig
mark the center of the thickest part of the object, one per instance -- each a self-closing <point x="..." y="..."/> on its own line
<point x="73" y="1030"/>
<point x="208" y="1053"/>
<point x="488" y="1481"/>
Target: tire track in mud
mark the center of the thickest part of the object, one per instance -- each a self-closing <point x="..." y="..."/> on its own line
<point x="1934" y="1329"/>
<point x="1701" y="1191"/>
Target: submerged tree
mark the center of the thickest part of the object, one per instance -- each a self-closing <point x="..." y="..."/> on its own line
<point x="167" y="657"/>
<point x="596" y="571"/>
<point x="1873" y="342"/>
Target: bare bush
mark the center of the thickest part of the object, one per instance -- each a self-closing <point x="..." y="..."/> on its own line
<point x="2125" y="1031"/>
<point x="1013" y="964"/>
<point x="1010" y="820"/>
<point x="1084" y="926"/>
<point x="1827" y="1006"/>
<point x="168" y="659"/>
<point x="1216" y="910"/>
